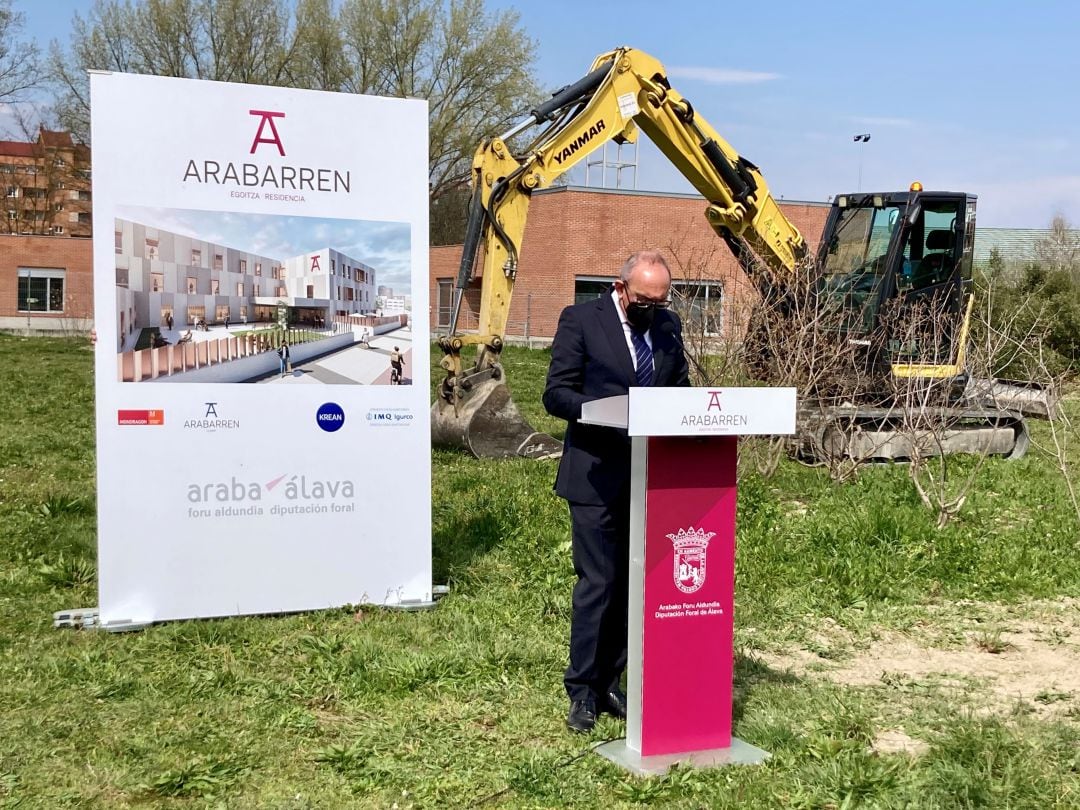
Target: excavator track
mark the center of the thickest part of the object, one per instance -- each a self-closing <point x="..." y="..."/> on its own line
<point x="888" y="434"/>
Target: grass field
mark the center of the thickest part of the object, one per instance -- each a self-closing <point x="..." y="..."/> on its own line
<point x="884" y="663"/>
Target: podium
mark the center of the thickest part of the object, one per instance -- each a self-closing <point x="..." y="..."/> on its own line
<point x="680" y="654"/>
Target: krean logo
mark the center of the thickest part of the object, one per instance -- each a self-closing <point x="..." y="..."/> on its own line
<point x="330" y="417"/>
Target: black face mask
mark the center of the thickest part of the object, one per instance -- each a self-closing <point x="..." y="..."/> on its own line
<point x="640" y="316"/>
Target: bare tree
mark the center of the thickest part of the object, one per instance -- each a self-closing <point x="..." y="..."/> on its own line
<point x="19" y="70"/>
<point x="471" y="65"/>
<point x="787" y="332"/>
<point x="1060" y="250"/>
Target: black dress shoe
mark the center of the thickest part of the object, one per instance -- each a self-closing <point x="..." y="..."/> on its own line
<point x="582" y="716"/>
<point x="615" y="703"/>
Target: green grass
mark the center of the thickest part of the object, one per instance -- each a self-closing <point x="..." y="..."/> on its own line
<point x="463" y="705"/>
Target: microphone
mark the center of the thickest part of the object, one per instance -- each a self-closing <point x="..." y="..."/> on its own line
<point x="668" y="328"/>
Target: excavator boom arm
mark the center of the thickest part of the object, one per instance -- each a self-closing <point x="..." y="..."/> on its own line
<point x="624" y="91"/>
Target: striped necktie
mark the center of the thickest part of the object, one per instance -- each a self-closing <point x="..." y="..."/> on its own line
<point x="644" y="358"/>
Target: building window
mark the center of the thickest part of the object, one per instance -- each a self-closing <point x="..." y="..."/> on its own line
<point x="310" y="290"/>
<point x="446" y="302"/>
<point x="191" y="285"/>
<point x="195" y="314"/>
<point x="196" y="258"/>
<point x="13" y="191"/>
<point x="119" y="241"/>
<point x="41" y="289"/>
<point x="58" y="230"/>
<point x="243" y="265"/>
<point x="58" y="207"/>
<point x="333" y="272"/>
<point x="85" y="218"/>
<point x="699" y="306"/>
<point x="13" y="215"/>
<point x="157" y="282"/>
<point x="222" y="312"/>
<point x="151" y="248"/>
<point x="589" y="289"/>
<point x="258" y="268"/>
<point x="219" y="261"/>
<point x="215" y="286"/>
<point x="84" y="195"/>
<point x="240" y="288"/>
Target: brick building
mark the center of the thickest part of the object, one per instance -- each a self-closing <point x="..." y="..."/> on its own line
<point x="45" y="277"/>
<point x="577" y="238"/>
<point x="46" y="186"/>
<point x="46" y="284"/>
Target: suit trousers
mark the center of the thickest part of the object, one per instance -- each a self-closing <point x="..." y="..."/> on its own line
<point x="601" y="550"/>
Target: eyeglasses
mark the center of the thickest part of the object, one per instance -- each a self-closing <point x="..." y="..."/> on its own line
<point x="636" y="300"/>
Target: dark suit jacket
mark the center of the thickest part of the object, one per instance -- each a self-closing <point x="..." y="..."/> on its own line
<point x="590" y="360"/>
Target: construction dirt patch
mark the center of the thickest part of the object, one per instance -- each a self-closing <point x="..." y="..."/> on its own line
<point x="1032" y="658"/>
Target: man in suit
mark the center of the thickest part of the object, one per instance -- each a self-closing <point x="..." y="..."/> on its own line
<point x="625" y="338"/>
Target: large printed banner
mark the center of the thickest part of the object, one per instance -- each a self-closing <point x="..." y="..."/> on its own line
<point x="260" y="262"/>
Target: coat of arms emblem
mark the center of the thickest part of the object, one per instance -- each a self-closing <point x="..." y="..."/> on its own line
<point x="690" y="556"/>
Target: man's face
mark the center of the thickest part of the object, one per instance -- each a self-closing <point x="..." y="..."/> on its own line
<point x="648" y="287"/>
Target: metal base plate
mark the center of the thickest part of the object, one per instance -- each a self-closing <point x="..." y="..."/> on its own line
<point x="89" y="619"/>
<point x="740" y="753"/>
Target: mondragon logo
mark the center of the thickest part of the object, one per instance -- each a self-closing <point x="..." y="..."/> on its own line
<point x="581" y="140"/>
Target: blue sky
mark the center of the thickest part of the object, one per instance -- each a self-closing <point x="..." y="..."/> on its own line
<point x="961" y="95"/>
<point x="383" y="246"/>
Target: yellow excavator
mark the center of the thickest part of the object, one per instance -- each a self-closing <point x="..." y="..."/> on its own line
<point x="877" y="250"/>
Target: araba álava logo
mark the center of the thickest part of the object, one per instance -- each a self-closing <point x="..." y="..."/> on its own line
<point x="330" y="417"/>
<point x="296" y="487"/>
<point x="298" y="495"/>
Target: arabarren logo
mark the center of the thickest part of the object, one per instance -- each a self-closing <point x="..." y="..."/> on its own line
<point x="210" y="421"/>
<point x="266" y="176"/>
<point x="267" y="117"/>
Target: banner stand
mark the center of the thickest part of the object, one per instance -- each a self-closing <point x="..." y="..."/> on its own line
<point x="680" y="645"/>
<point x="90" y="619"/>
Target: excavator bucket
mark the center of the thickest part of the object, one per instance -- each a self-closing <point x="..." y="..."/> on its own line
<point x="488" y="424"/>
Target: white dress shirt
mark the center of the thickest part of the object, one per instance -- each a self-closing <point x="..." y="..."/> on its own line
<point x="626" y="328"/>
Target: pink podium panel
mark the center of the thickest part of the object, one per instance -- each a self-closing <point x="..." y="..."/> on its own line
<point x="689" y="585"/>
<point x="684" y="458"/>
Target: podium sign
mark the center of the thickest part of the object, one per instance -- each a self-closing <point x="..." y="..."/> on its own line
<point x="682" y="567"/>
<point x="687" y="560"/>
<point x="711" y="411"/>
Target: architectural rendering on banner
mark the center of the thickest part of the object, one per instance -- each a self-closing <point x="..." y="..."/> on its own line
<point x="196" y="310"/>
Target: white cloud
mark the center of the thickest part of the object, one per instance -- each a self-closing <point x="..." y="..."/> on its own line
<point x="712" y="75"/>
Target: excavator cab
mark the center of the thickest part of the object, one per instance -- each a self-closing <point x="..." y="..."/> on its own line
<point x="890" y="259"/>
